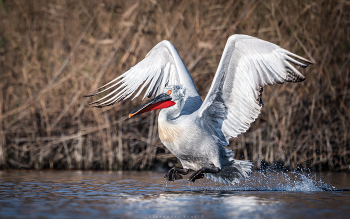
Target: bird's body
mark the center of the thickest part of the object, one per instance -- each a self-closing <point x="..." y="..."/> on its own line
<point x="196" y="148"/>
<point x="197" y="131"/>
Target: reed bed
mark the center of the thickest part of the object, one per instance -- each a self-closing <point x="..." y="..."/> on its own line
<point x="52" y="52"/>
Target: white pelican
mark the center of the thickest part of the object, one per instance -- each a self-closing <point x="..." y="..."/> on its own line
<point x="195" y="131"/>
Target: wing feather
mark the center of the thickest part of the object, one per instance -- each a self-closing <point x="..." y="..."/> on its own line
<point x="161" y="67"/>
<point x="234" y="98"/>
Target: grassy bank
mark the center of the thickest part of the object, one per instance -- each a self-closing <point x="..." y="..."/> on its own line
<point x="53" y="52"/>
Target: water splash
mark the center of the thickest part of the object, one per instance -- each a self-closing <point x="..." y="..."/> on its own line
<point x="276" y="181"/>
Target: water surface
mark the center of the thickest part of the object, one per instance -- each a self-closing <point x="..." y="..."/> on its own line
<point x="93" y="194"/>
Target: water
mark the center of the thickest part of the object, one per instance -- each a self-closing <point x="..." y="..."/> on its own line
<point x="92" y="194"/>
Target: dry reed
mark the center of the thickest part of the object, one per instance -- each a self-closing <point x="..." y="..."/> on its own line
<point x="54" y="51"/>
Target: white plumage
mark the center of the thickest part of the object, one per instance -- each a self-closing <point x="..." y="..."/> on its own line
<point x="195" y="131"/>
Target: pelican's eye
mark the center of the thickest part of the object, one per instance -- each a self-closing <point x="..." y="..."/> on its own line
<point x="168" y="92"/>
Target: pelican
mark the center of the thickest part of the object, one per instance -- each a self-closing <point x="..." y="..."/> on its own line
<point x="197" y="131"/>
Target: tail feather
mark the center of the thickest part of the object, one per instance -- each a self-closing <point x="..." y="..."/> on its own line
<point x="232" y="172"/>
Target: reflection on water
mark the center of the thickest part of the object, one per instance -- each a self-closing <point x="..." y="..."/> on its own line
<point x="88" y="194"/>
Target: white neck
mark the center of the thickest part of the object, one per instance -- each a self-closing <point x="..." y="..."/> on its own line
<point x="172" y="112"/>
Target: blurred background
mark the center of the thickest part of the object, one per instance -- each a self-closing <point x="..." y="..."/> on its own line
<point x="52" y="52"/>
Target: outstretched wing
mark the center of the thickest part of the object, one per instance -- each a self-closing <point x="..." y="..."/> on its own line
<point x="162" y="66"/>
<point x="246" y="66"/>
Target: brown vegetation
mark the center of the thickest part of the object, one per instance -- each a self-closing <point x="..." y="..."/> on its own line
<point x="52" y="52"/>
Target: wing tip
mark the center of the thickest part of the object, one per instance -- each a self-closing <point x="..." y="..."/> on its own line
<point x="294" y="75"/>
<point x="300" y="79"/>
<point x="305" y="62"/>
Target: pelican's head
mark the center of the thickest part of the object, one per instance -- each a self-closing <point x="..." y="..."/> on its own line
<point x="173" y="95"/>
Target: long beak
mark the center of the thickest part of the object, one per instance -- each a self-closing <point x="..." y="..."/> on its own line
<point x="159" y="102"/>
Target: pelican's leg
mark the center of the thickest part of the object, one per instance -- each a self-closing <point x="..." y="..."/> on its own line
<point x="174" y="174"/>
<point x="199" y="174"/>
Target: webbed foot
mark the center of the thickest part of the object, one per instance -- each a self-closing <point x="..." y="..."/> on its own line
<point x="199" y="174"/>
<point x="174" y="174"/>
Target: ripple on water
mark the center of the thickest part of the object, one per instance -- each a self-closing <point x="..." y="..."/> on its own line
<point x="101" y="194"/>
